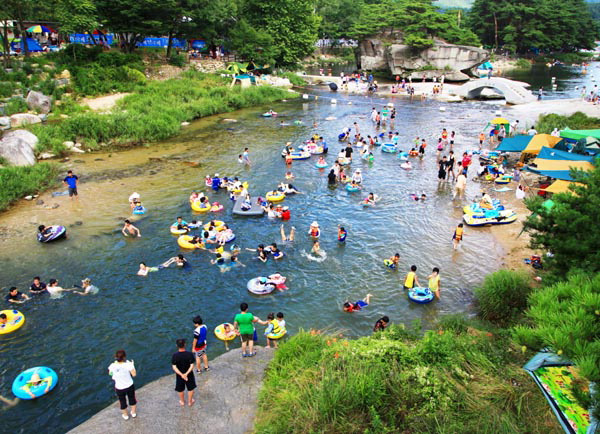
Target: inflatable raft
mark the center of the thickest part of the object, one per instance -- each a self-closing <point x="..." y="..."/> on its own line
<point x="23" y="383"/>
<point x="421" y="295"/>
<point x="490" y="218"/>
<point x="14" y="321"/>
<point x="255" y="210"/>
<point x="256" y="287"/>
<point x="56" y="233"/>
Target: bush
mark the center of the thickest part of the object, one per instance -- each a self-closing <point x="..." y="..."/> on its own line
<point x="6" y="89"/>
<point x="294" y="78"/>
<point x="577" y="121"/>
<point x="18" y="182"/>
<point x="15" y="105"/>
<point x="177" y="60"/>
<point x="523" y="63"/>
<point x="503" y="296"/>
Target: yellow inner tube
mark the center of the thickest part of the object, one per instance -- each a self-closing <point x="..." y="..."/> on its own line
<point x="279" y="335"/>
<point x="196" y="206"/>
<point x="277" y="197"/>
<point x="176" y="231"/>
<point x="238" y="190"/>
<point x="14" y="321"/>
<point x="219" y="225"/>
<point x="184" y="242"/>
<point x="220" y="332"/>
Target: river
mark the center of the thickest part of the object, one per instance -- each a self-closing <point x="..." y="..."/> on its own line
<point x="77" y="336"/>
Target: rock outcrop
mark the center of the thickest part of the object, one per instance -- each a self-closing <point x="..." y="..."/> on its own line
<point x="386" y="51"/>
<point x="20" y="119"/>
<point x="38" y="101"/>
<point x="17" y="147"/>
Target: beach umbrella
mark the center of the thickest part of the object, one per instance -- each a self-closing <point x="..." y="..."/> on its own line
<point x="40" y="29"/>
<point x="499" y="121"/>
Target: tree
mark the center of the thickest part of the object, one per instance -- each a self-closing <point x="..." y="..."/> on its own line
<point x="292" y="25"/>
<point x="518" y="26"/>
<point x="570" y="228"/>
<point x="133" y="20"/>
<point x="76" y="16"/>
<point x="338" y="17"/>
<point x="253" y="44"/>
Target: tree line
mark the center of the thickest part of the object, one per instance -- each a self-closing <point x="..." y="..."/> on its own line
<point x="284" y="32"/>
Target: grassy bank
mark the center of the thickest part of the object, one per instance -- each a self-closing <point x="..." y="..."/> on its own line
<point x="155" y="112"/>
<point x="18" y="182"/>
<point x="576" y="121"/>
<point x="458" y="378"/>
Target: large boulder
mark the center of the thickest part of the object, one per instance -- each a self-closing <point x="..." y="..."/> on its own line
<point x="38" y="101"/>
<point x="17" y="147"/>
<point x="20" y="119"/>
<point x="4" y="122"/>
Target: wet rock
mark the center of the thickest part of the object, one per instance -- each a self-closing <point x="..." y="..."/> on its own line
<point x="79" y="161"/>
<point x="229" y="120"/>
<point x="152" y="172"/>
<point x="4" y="122"/>
<point x="191" y="163"/>
<point x="155" y="159"/>
<point x="185" y="124"/>
<point x="39" y="202"/>
<point x="55" y="206"/>
<point x="46" y="156"/>
<point x="78" y="223"/>
<point x="17" y="147"/>
<point x="38" y="101"/>
<point x="99" y="159"/>
<point x="19" y="119"/>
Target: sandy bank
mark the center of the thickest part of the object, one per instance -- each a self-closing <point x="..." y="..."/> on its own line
<point x="104" y="103"/>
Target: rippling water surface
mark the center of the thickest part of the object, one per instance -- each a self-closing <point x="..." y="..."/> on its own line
<point x="78" y="335"/>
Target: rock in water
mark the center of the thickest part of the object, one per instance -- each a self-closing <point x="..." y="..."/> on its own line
<point x="17" y="147"/>
<point x="19" y="119"/>
<point x="38" y="101"/>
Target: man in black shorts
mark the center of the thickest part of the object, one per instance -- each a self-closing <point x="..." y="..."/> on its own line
<point x="183" y="365"/>
<point x="71" y="182"/>
<point x="348" y="152"/>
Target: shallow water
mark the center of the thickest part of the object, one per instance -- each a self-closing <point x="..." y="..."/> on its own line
<point x="78" y="335"/>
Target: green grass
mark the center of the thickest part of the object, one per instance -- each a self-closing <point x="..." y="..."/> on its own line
<point x="15" y="105"/>
<point x="445" y="382"/>
<point x="18" y="182"/>
<point x="502" y="297"/>
<point x="294" y="78"/>
<point x="155" y="112"/>
<point x="577" y="121"/>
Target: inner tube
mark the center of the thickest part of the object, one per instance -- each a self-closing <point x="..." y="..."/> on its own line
<point x="504" y="179"/>
<point x="333" y="86"/>
<point x="226" y="238"/>
<point x="389" y="148"/>
<point x="14" y="321"/>
<point x="259" y="289"/>
<point x="219" y="225"/>
<point x="222" y="335"/>
<point x="321" y="165"/>
<point x="24" y="377"/>
<point x="303" y="155"/>
<point x="275" y="197"/>
<point x="56" y="232"/>
<point x="216" y="207"/>
<point x="176" y="231"/>
<point x="184" y="242"/>
<point x="352" y="189"/>
<point x="413" y="153"/>
<point x="421" y="295"/>
<point x="196" y="206"/>
<point x="139" y="210"/>
<point x="389" y="264"/>
<point x="279" y="335"/>
<point x="403" y="155"/>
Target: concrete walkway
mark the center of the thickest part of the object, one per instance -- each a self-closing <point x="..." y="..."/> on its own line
<point x="226" y="402"/>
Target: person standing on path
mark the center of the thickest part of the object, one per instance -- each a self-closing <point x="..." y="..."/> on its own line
<point x="244" y="326"/>
<point x="199" y="344"/>
<point x="71" y="182"/>
<point x="246" y="157"/>
<point x="122" y="372"/>
<point x="182" y="363"/>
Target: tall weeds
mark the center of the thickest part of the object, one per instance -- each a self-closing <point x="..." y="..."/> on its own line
<point x="17" y="182"/>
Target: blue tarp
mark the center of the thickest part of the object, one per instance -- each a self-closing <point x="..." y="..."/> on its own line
<point x="84" y="38"/>
<point x="556" y="174"/>
<point x="162" y="42"/>
<point x="486" y="66"/>
<point x="32" y="45"/>
<point x="514" y="144"/>
<point x="555" y="154"/>
<point x="198" y="44"/>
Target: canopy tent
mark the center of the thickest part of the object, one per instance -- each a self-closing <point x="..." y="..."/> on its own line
<point x="499" y="121"/>
<point x="558" y="164"/>
<point x="579" y="134"/>
<point x="555" y="154"/>
<point x="555" y="377"/>
<point x="514" y="144"/>
<point x="560" y="186"/>
<point x="539" y="141"/>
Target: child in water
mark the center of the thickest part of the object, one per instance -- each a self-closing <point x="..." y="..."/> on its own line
<point x="358" y="305"/>
<point x="342" y="234"/>
<point x="314" y="230"/>
<point x="434" y="282"/>
<point x="144" y="269"/>
<point x="411" y="278"/>
<point x="458" y="235"/>
<point x="394" y="261"/>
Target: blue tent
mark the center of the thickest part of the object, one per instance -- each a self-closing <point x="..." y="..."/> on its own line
<point x="514" y="144"/>
<point x="555" y="154"/>
<point x="565" y="175"/>
<point x="32" y="45"/>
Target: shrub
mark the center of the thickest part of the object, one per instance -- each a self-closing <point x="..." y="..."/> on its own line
<point x="294" y="78"/>
<point x="503" y="296"/>
<point x="577" y="121"/>
<point x="15" y="105"/>
<point x="177" y="60"/>
<point x="6" y="89"/>
<point x="18" y="182"/>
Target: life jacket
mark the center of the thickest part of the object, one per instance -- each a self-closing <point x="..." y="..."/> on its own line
<point x="314" y="232"/>
<point x="276" y="327"/>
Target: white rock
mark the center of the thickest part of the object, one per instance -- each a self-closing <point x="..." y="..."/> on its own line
<point x="19" y="119"/>
<point x="46" y="156"/>
<point x="17" y="147"/>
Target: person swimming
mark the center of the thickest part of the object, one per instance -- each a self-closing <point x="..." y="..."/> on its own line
<point x="144" y="269"/>
<point x="342" y="234"/>
<point x="358" y="305"/>
<point x="314" y="230"/>
<point x="394" y="261"/>
<point x="178" y="260"/>
<point x="371" y="199"/>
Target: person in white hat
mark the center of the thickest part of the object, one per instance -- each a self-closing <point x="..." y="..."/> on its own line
<point x="314" y="230"/>
<point x="357" y="176"/>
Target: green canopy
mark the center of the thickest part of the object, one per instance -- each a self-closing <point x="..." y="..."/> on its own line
<point x="579" y="134"/>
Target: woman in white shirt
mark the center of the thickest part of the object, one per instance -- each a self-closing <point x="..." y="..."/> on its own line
<point x="122" y="371"/>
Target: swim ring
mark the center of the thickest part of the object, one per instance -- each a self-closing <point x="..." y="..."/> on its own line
<point x="303" y="155"/>
<point x="421" y="295"/>
<point x="344" y="161"/>
<point x="277" y="279"/>
<point x="321" y="165"/>
<point x="279" y="335"/>
<point x="504" y="179"/>
<point x="216" y="207"/>
<point x="413" y="153"/>
<point x="23" y="380"/>
<point x="275" y="196"/>
<point x="269" y="114"/>
<point x="56" y="232"/>
<point x="260" y="289"/>
<point x="176" y="231"/>
<point x="225" y="237"/>
<point x="238" y="190"/>
<point x="196" y="206"/>
<point x="389" y="264"/>
<point x="390" y="148"/>
<point x="14" y="321"/>
<point x="184" y="242"/>
<point x="220" y="332"/>
<point x="139" y="210"/>
<point x="403" y="155"/>
<point x="219" y="225"/>
<point x="352" y="189"/>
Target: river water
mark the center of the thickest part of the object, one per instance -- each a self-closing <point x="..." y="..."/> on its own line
<point x="77" y="336"/>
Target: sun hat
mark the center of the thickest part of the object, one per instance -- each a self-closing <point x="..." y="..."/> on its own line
<point x="314" y="224"/>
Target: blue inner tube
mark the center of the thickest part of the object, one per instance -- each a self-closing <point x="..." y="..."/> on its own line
<point x="56" y="233"/>
<point x="24" y="377"/>
<point x="139" y="210"/>
<point x="389" y="147"/>
<point x="351" y="189"/>
<point x="421" y="295"/>
<point x="321" y="166"/>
